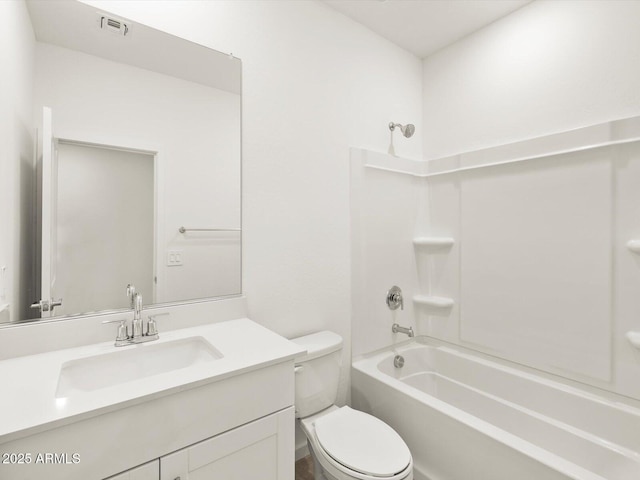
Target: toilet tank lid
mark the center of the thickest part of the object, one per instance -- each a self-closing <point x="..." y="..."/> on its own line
<point x="318" y="344"/>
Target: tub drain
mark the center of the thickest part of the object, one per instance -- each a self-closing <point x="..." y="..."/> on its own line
<point x="398" y="361"/>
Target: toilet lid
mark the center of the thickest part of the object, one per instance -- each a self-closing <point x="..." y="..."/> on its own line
<point x="362" y="443"/>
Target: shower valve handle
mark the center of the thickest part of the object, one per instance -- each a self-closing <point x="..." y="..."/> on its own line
<point x="394" y="298"/>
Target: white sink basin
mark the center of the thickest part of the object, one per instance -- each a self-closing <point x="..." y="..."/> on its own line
<point x="132" y="363"/>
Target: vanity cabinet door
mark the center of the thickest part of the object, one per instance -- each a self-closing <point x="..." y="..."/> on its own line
<point x="148" y="471"/>
<point x="263" y="449"/>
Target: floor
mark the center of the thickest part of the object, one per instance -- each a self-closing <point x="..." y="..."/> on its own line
<point x="304" y="468"/>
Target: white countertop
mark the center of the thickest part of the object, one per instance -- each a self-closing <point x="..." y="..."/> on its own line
<point x="28" y="402"/>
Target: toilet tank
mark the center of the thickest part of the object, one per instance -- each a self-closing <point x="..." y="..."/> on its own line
<point x="317" y="372"/>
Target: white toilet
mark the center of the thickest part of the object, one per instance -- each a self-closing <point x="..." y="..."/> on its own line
<point x="345" y="444"/>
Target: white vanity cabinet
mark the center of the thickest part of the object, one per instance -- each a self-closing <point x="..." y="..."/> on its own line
<point x="148" y="471"/>
<point x="231" y="417"/>
<point x="214" y="426"/>
<point x="262" y="449"/>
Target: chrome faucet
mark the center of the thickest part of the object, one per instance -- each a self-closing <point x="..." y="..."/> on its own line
<point x="131" y="291"/>
<point x="138" y="333"/>
<point x="395" y="301"/>
<point x="398" y="329"/>
<point x="136" y="323"/>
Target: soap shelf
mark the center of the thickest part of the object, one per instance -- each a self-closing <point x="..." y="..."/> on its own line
<point x="634" y="246"/>
<point x="433" y="242"/>
<point x="634" y="339"/>
<point x="431" y="301"/>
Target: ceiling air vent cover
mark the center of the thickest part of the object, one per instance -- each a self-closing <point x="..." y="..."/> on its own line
<point x="113" y="25"/>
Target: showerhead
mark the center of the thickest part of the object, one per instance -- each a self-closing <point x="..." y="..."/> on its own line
<point x="407" y="130"/>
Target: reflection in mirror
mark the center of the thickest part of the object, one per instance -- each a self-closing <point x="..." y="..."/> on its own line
<point x="95" y="186"/>
<point x="125" y="168"/>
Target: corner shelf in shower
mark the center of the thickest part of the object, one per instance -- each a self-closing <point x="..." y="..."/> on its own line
<point x="434" y="242"/>
<point x="634" y="246"/>
<point x="434" y="302"/>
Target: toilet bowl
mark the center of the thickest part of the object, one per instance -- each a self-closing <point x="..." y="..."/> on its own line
<point x="344" y="443"/>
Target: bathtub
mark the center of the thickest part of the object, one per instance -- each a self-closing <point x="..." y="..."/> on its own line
<point x="466" y="416"/>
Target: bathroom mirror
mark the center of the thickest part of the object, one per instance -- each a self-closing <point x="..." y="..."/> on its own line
<point x="129" y="171"/>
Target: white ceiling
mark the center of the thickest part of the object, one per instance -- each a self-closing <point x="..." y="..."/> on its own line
<point x="424" y="26"/>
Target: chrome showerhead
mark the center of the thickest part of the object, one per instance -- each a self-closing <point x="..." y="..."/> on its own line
<point x="407" y="130"/>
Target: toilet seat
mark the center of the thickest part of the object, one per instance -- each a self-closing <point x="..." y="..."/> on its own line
<point x="361" y="444"/>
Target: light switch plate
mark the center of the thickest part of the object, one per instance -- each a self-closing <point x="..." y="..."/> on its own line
<point x="174" y="258"/>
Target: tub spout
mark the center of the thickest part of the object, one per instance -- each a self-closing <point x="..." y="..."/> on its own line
<point x="398" y="329"/>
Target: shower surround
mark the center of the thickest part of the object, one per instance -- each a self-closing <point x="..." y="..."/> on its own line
<point x="522" y="252"/>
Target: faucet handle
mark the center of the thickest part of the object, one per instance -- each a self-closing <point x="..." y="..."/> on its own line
<point x="123" y="333"/>
<point x="394" y="298"/>
<point x="152" y="328"/>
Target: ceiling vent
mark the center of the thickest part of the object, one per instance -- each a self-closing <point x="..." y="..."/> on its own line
<point x="113" y="25"/>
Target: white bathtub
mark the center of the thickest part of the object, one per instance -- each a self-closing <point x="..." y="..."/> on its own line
<point x="466" y="417"/>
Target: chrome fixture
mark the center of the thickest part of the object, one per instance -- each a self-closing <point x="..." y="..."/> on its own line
<point x="122" y="337"/>
<point x="152" y="328"/>
<point x="394" y="298"/>
<point x="398" y="329"/>
<point x="138" y="333"/>
<point x="407" y="130"/>
<point x="398" y="361"/>
<point x="131" y="291"/>
<point x="46" y="305"/>
<point x="136" y="324"/>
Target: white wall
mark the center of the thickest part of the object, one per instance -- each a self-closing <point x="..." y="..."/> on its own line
<point x="17" y="175"/>
<point x="549" y="67"/>
<point x="194" y="128"/>
<point x="314" y="83"/>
